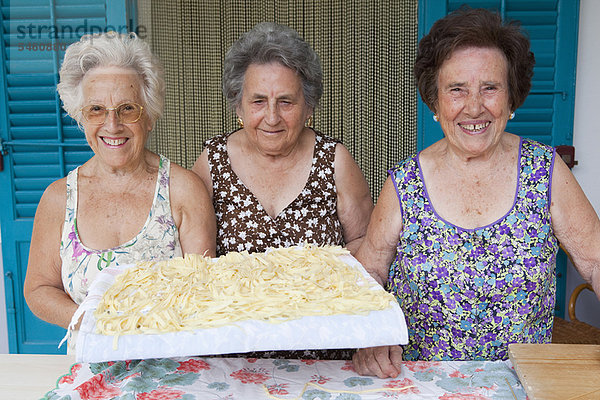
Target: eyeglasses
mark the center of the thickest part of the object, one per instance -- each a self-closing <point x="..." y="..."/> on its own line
<point x="127" y="113"/>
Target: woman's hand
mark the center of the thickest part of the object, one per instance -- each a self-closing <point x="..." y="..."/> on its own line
<point x="382" y="361"/>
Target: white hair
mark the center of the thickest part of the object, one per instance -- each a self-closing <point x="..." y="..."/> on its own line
<point x="111" y="49"/>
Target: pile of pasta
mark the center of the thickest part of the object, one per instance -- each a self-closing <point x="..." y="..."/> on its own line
<point x="197" y="292"/>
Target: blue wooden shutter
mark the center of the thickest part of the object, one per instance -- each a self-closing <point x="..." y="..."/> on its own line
<point x="547" y="114"/>
<point x="40" y="143"/>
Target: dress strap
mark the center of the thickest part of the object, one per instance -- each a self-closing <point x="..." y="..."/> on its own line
<point x="218" y="165"/>
<point x="71" y="204"/>
<point x="164" y="174"/>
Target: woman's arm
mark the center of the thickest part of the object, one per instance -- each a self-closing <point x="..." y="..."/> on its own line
<point x="43" y="289"/>
<point x="379" y="245"/>
<point x="354" y="203"/>
<point x="576" y="224"/>
<point x="193" y="212"/>
<point x="376" y="254"/>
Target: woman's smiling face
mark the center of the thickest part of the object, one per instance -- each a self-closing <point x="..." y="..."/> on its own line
<point x="117" y="144"/>
<point x="473" y="99"/>
<point x="273" y="108"/>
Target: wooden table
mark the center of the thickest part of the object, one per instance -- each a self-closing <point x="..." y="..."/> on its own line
<point x="558" y="371"/>
<point x="30" y="376"/>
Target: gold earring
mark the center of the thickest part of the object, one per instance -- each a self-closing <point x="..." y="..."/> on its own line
<point x="309" y="121"/>
<point x="240" y="121"/>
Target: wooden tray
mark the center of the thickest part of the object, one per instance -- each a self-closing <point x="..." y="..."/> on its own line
<point x="557" y="371"/>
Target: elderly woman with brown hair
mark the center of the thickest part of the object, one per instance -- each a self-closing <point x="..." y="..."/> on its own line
<point x="125" y="204"/>
<point x="276" y="181"/>
<point x="471" y="225"/>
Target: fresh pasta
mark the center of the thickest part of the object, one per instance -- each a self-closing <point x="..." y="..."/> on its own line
<point x="197" y="292"/>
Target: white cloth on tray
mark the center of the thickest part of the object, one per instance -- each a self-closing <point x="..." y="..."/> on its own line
<point x="378" y="328"/>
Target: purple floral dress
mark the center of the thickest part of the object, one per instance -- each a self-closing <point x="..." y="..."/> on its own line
<point x="468" y="293"/>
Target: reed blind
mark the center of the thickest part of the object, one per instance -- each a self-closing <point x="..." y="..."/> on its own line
<point x="366" y="47"/>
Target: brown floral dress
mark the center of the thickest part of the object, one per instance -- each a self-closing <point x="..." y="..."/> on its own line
<point x="243" y="223"/>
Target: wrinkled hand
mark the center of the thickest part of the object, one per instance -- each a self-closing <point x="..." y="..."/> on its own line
<point x="382" y="361"/>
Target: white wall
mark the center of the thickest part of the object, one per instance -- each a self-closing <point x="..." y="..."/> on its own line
<point x="586" y="137"/>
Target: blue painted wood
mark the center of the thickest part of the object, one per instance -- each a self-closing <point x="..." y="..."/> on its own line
<point x="41" y="143"/>
<point x="547" y="114"/>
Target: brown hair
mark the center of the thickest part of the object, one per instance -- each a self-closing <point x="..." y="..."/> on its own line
<point x="468" y="27"/>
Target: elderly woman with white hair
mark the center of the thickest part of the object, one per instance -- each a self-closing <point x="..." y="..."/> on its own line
<point x="126" y="203"/>
<point x="276" y="181"/>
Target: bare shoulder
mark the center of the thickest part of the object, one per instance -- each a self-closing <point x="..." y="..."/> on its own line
<point x="54" y="200"/>
<point x="561" y="174"/>
<point x="184" y="183"/>
<point x="342" y="155"/>
<point x="347" y="172"/>
<point x="511" y="140"/>
<point x="567" y="196"/>
<point x="345" y="166"/>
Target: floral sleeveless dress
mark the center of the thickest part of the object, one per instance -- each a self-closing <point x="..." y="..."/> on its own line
<point x="158" y="239"/>
<point x="468" y="293"/>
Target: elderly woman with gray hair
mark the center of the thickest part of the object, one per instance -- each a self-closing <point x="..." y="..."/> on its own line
<point x="126" y="203"/>
<point x="276" y="181"/>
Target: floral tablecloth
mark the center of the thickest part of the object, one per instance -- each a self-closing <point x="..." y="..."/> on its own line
<point x="191" y="378"/>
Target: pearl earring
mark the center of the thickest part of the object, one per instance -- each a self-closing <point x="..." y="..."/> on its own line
<point x="512" y="115"/>
<point x="436" y="118"/>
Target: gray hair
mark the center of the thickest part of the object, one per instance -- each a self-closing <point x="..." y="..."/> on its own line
<point x="269" y="42"/>
<point x="111" y="49"/>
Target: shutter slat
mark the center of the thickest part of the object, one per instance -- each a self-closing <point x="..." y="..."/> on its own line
<point x="534" y="114"/>
<point x="532" y="5"/>
<point x="28" y="196"/>
<point x="543" y="46"/>
<point x="39" y="119"/>
<point x="32" y="93"/>
<point x="33" y="183"/>
<point x="33" y="51"/>
<point x="34" y="133"/>
<point x="537" y="17"/>
<point x="26" y="210"/>
<point x="73" y="133"/>
<point x="36" y="171"/>
<point x="42" y="106"/>
<point x="30" y="66"/>
<point x="30" y="80"/>
<point x="40" y="11"/>
<point x="75" y="158"/>
<point x="35" y="158"/>
<point x="65" y="28"/>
